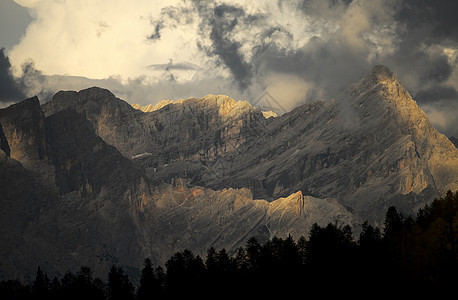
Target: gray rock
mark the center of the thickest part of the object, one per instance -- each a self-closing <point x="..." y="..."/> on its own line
<point x="23" y="127"/>
<point x="370" y="149"/>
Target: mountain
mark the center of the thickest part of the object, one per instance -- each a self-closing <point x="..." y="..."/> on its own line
<point x="67" y="198"/>
<point x="371" y="148"/>
<point x="92" y="180"/>
<point x="191" y="131"/>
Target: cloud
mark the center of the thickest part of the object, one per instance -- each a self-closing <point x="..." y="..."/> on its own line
<point x="158" y="26"/>
<point x="425" y="37"/>
<point x="15" y="19"/>
<point x="435" y="20"/>
<point x="98" y="39"/>
<point x="10" y="89"/>
<point x="318" y="9"/>
<point x="442" y="115"/>
<point x="174" y="66"/>
<point x="297" y="50"/>
<point x="220" y="24"/>
<point x="34" y="83"/>
<point x="342" y="50"/>
<point x="437" y="93"/>
<point x="135" y="90"/>
<point x="289" y="90"/>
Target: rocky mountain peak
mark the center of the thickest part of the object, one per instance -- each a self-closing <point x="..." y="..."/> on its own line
<point x="380" y="95"/>
<point x="153" y="107"/>
<point x="91" y="99"/>
<point x="23" y="127"/>
<point x="221" y="105"/>
<point x="387" y="111"/>
<point x="97" y="91"/>
<point x="93" y="93"/>
<point x="379" y="74"/>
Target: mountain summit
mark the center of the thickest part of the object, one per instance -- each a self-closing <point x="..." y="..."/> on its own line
<point x="378" y="74"/>
<point x="102" y="182"/>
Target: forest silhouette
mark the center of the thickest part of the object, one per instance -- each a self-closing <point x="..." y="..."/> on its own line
<point x="409" y="256"/>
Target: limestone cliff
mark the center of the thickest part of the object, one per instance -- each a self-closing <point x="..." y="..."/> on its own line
<point x="371" y="148"/>
<point x="23" y="127"/>
<point x="80" y="204"/>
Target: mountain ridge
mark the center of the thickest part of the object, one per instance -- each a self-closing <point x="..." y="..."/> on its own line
<point x="377" y="100"/>
<point x="110" y="184"/>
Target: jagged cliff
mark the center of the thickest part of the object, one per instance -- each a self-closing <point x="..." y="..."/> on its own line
<point x="70" y="200"/>
<point x="87" y="179"/>
<point x="191" y="130"/>
<point x="371" y="148"/>
<point x="198" y="218"/>
<point x="23" y="124"/>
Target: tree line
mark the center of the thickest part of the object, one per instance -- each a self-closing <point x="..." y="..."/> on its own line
<point x="415" y="256"/>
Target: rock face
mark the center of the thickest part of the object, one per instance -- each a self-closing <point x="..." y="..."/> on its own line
<point x="197" y="218"/>
<point x="23" y="196"/>
<point x="23" y="127"/>
<point x="85" y="213"/>
<point x="87" y="179"/>
<point x="183" y="136"/>
<point x="100" y="195"/>
<point x="4" y="142"/>
<point x="372" y="148"/>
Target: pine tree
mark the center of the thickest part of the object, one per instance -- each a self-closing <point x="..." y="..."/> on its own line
<point x="119" y="285"/>
<point x="147" y="286"/>
<point x="40" y="286"/>
<point x="253" y="250"/>
<point x="393" y="223"/>
<point x="211" y="261"/>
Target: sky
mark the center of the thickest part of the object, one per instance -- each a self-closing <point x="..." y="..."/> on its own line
<point x="145" y="51"/>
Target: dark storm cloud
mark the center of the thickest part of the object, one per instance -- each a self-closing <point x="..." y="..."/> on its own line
<point x="438" y="71"/>
<point x="323" y="8"/>
<point x="15" y="19"/>
<point x="10" y="89"/>
<point x="427" y="27"/>
<point x="436" y="19"/>
<point x="219" y="23"/>
<point x="170" y="16"/>
<point x="332" y="65"/>
<point x="437" y="93"/>
<point x="327" y="64"/>
<point x="33" y="82"/>
<point x="259" y="43"/>
<point x="432" y="21"/>
<point x="429" y="66"/>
